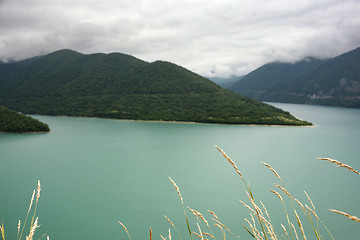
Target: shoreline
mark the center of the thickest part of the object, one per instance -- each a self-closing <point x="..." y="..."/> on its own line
<point x="183" y="122"/>
<point x="1" y="132"/>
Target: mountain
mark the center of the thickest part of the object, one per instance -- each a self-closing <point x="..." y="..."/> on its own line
<point x="11" y="121"/>
<point x="225" y="82"/>
<point x="120" y="86"/>
<point x="334" y="81"/>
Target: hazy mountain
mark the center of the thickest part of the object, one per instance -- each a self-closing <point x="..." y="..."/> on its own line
<point x="333" y="81"/>
<point x="120" y="86"/>
<point x="11" y="121"/>
<point x="226" y="82"/>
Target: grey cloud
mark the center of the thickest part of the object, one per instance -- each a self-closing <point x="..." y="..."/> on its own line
<point x="219" y="38"/>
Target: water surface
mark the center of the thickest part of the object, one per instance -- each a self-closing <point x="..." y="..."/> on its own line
<point x="97" y="171"/>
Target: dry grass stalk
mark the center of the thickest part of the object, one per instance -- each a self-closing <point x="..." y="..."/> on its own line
<point x="312" y="212"/>
<point x="150" y="234"/>
<point x="300" y="225"/>
<point x="201" y="235"/>
<point x="339" y="164"/>
<point x="256" y="231"/>
<point x="300" y="204"/>
<point x="251" y="226"/>
<point x="356" y="219"/>
<point x="284" y="190"/>
<point x="266" y="212"/>
<point x="292" y="225"/>
<point x="222" y="225"/>
<point x="271" y="232"/>
<point x="169" y="221"/>
<point x="247" y="206"/>
<point x="198" y="215"/>
<point x="177" y="189"/>
<point x="208" y="234"/>
<point x="273" y="170"/>
<point x="169" y="234"/>
<point x="125" y="229"/>
<point x="277" y="194"/>
<point x="32" y="230"/>
<point x="38" y="191"/>
<point x="202" y="218"/>
<point x="312" y="204"/>
<point x="284" y="230"/>
<point x="253" y="220"/>
<point x="19" y="225"/>
<point x="219" y="226"/>
<point x="212" y="213"/>
<point x="196" y="234"/>
<point x="31" y="201"/>
<point x="162" y="237"/>
<point x="258" y="213"/>
<point x="193" y="212"/>
<point x="229" y="160"/>
<point x="2" y="230"/>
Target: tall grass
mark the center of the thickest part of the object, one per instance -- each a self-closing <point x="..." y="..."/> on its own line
<point x="34" y="223"/>
<point x="259" y="225"/>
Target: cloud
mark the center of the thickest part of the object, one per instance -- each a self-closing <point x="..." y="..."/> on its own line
<point x="212" y="38"/>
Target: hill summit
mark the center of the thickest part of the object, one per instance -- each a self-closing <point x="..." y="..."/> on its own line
<point x="120" y="86"/>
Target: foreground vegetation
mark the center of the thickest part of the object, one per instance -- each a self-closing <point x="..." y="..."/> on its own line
<point x="123" y="87"/>
<point x="259" y="226"/>
<point x="34" y="222"/>
<point x="11" y="121"/>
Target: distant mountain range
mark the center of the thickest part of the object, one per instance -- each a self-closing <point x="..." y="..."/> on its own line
<point x="334" y="81"/>
<point x="225" y="82"/>
<point x="120" y="86"/>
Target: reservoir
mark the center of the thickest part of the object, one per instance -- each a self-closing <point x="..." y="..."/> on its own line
<point x="95" y="172"/>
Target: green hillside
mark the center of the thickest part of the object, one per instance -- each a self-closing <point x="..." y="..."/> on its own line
<point x="333" y="81"/>
<point x="120" y="86"/>
<point x="11" y="121"/>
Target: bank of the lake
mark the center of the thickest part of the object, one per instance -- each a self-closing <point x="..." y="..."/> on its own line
<point x="97" y="171"/>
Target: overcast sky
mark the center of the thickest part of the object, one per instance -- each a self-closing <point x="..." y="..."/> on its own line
<point x="211" y="37"/>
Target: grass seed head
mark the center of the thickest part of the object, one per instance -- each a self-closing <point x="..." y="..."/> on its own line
<point x="339" y="164"/>
<point x="213" y="213"/>
<point x="125" y="229"/>
<point x="38" y="190"/>
<point x="170" y="221"/>
<point x="277" y="194"/>
<point x="273" y="170"/>
<point x="312" y="204"/>
<point x="356" y="219"/>
<point x="32" y="230"/>
<point x="229" y="160"/>
<point x="292" y="225"/>
<point x="177" y="189"/>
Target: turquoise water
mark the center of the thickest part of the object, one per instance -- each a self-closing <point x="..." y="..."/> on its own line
<point x="97" y="171"/>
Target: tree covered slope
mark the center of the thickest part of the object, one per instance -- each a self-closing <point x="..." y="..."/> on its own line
<point x="11" y="121"/>
<point x="120" y="86"/>
<point x="333" y="81"/>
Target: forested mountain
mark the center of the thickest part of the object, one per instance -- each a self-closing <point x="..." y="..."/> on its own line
<point x="11" y="121"/>
<point x="333" y="81"/>
<point x="120" y="86"/>
<point x="225" y="82"/>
